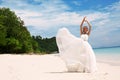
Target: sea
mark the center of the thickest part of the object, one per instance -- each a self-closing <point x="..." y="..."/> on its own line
<point x="108" y="55"/>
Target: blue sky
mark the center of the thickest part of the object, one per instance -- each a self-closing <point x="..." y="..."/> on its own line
<point x="46" y="17"/>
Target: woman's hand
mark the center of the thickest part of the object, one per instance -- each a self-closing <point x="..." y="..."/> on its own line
<point x="84" y="18"/>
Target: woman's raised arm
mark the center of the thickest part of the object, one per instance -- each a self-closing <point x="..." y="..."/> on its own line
<point x="82" y="25"/>
<point x="89" y="27"/>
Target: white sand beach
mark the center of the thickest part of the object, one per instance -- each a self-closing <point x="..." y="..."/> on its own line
<point x="50" y="67"/>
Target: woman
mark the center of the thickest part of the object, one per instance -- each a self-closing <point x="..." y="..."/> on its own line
<point x="76" y="52"/>
<point x="84" y="30"/>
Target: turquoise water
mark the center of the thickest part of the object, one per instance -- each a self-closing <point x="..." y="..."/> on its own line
<point x="108" y="55"/>
<point x="113" y="50"/>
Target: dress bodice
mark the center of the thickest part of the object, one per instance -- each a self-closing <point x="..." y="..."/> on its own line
<point x="84" y="37"/>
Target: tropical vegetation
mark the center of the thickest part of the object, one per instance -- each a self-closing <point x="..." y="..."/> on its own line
<point x="15" y="38"/>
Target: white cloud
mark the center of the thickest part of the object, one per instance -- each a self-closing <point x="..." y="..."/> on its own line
<point x="107" y="34"/>
<point x="77" y="3"/>
<point x="51" y="14"/>
<point x="38" y="20"/>
<point x="114" y="6"/>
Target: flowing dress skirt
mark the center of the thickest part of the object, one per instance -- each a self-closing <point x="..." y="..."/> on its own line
<point x="76" y="53"/>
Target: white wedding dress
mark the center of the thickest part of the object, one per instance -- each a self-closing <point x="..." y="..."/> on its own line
<point x="76" y="52"/>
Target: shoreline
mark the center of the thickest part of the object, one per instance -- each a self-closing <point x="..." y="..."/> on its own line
<point x="107" y="47"/>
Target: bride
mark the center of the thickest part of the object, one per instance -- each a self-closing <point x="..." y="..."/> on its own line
<point x="76" y="52"/>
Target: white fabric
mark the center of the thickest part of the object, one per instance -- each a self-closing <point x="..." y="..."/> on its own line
<point x="76" y="52"/>
<point x="84" y="37"/>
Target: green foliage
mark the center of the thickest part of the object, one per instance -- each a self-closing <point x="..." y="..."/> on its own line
<point x="2" y="35"/>
<point x="12" y="45"/>
<point x="15" y="38"/>
<point x="47" y="45"/>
